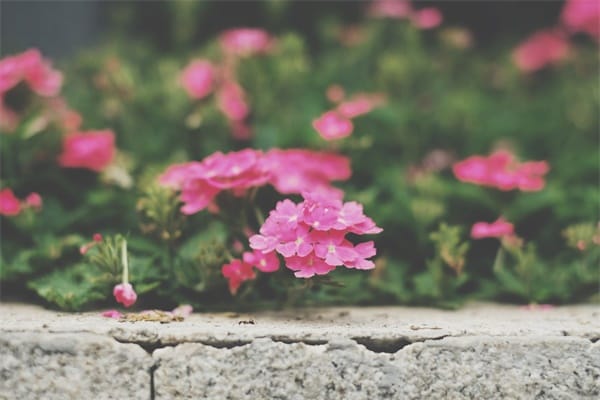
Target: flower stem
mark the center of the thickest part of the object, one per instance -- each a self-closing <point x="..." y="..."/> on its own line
<point x="124" y="261"/>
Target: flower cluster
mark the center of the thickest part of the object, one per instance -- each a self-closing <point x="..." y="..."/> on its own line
<point x="311" y="235"/>
<point x="501" y="171"/>
<point x="201" y="77"/>
<point x="238" y="271"/>
<point x="245" y="41"/>
<point x="11" y="206"/>
<point x="424" y="18"/>
<point x="289" y="171"/>
<point x="34" y="70"/>
<point x="497" y="229"/>
<point x="39" y="76"/>
<point x="550" y="46"/>
<point x="542" y="48"/>
<point x="92" y="150"/>
<point x="582" y="16"/>
<point x="337" y="123"/>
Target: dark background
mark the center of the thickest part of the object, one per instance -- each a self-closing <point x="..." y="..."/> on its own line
<point x="60" y="28"/>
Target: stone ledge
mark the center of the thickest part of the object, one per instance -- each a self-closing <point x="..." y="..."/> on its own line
<point x="481" y="351"/>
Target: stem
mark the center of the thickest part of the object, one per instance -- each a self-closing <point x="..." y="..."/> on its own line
<point x="124" y="261"/>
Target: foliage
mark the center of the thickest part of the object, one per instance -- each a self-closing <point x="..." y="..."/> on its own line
<point x="444" y="100"/>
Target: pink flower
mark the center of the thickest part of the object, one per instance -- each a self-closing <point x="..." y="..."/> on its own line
<point x="245" y="41"/>
<point x="311" y="236"/>
<point x="582" y="16"/>
<point x="308" y="266"/>
<point x="198" y="78"/>
<point x="359" y="105"/>
<point x="201" y="182"/>
<point x="34" y="200"/>
<point x="397" y="9"/>
<point x="9" y="203"/>
<point x="237" y="272"/>
<point x="333" y="125"/>
<point x="541" y="49"/>
<point x="232" y="102"/>
<point x="31" y="67"/>
<point x="92" y="150"/>
<point x="125" y="294"/>
<point x="332" y="247"/>
<point x="501" y="171"/>
<point x="427" y="18"/>
<point x="112" y="314"/>
<point x="497" y="229"/>
<point x="265" y="262"/>
<point x="298" y="170"/>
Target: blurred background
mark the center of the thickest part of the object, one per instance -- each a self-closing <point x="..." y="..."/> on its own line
<point x="60" y="28"/>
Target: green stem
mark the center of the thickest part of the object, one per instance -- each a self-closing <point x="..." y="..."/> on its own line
<point x="124" y="261"/>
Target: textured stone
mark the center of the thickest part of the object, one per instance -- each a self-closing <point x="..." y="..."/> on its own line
<point x="71" y="366"/>
<point x="451" y="368"/>
<point x="483" y="351"/>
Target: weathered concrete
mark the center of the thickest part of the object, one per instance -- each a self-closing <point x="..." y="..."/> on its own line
<point x="481" y="351"/>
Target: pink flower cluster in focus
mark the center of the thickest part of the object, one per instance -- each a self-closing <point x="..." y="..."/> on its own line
<point x="289" y="171"/>
<point x="502" y="171"/>
<point x="125" y="294"/>
<point x="33" y="69"/>
<point x="337" y="123"/>
<point x="424" y="18"/>
<point x="543" y="48"/>
<point x="497" y="229"/>
<point x="245" y="41"/>
<point x="311" y="236"/>
<point x="92" y="150"/>
<point x="11" y="206"/>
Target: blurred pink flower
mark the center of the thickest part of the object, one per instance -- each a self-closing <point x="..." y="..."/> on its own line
<point x="246" y="41"/>
<point x="201" y="182"/>
<point x="333" y="125"/>
<point x="501" y="171"/>
<point x="582" y="16"/>
<point x="9" y="203"/>
<point x="541" y="49"/>
<point x="299" y="170"/>
<point x="198" y="78"/>
<point x="497" y="229"/>
<point x="31" y="67"/>
<point x="112" y="314"/>
<point x="232" y="101"/>
<point x="237" y="272"/>
<point x="397" y="9"/>
<point x="359" y="105"/>
<point x="91" y="149"/>
<point x="125" y="294"/>
<point x="311" y="236"/>
<point x="427" y="18"/>
<point x="265" y="262"/>
<point x="34" y="200"/>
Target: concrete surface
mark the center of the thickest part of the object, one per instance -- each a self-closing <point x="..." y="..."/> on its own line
<point x="481" y="351"/>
